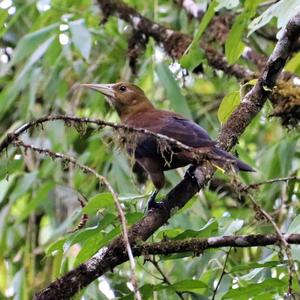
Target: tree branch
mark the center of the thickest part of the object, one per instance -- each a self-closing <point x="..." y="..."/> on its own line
<point x="222" y="275"/>
<point x="115" y="254"/>
<point x="285" y="245"/>
<point x="198" y="245"/>
<point x="126" y="132"/>
<point x="254" y="100"/>
<point x="269" y="181"/>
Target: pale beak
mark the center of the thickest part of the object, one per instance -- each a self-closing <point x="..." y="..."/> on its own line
<point x="105" y="89"/>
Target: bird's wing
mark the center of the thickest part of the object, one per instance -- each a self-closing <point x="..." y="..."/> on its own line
<point x="186" y="132"/>
<point x="174" y="126"/>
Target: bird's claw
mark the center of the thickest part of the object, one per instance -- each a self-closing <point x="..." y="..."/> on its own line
<point x="152" y="204"/>
<point x="190" y="172"/>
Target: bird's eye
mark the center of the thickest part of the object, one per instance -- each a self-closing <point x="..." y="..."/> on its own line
<point x="122" y="88"/>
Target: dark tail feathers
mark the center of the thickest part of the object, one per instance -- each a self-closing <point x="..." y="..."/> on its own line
<point x="241" y="166"/>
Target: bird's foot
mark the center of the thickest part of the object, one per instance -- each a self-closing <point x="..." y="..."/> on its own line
<point x="152" y="203"/>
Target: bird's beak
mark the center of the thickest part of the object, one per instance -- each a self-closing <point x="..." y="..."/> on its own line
<point x="105" y="89"/>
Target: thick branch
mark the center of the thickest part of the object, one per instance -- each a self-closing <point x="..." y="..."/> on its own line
<point x="255" y="99"/>
<point x="115" y="254"/>
<point x="197" y="245"/>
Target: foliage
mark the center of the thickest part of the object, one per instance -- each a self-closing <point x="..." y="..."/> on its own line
<point x="47" y="49"/>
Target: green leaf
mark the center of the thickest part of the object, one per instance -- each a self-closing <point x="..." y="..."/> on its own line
<point x="248" y="291"/>
<point x="228" y="226"/>
<point x="234" y="46"/>
<point x="134" y="217"/>
<point x="103" y="200"/>
<point x="12" y="20"/>
<point x="93" y="244"/>
<point x="10" y="166"/>
<point x="194" y="55"/>
<point x="40" y="197"/>
<point x="294" y="227"/>
<point x="31" y="41"/>
<point x="178" y="101"/>
<point x="11" y="91"/>
<point x="3" y="16"/>
<point x="84" y="234"/>
<point x="229" y="103"/>
<point x="180" y="286"/>
<point x="193" y="58"/>
<point x="209" y="229"/>
<point x="81" y="37"/>
<point x="188" y="285"/>
<point x="293" y="64"/>
<point x="282" y="10"/>
<point x="24" y="184"/>
<point x="55" y="246"/>
<point x="36" y="55"/>
<point x="254" y="265"/>
<point x="5" y="184"/>
<point x="9" y="94"/>
<point x="146" y="291"/>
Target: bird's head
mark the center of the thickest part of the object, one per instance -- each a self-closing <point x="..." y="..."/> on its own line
<point x="125" y="97"/>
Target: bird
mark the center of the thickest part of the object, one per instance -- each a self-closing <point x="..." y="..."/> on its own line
<point x="137" y="111"/>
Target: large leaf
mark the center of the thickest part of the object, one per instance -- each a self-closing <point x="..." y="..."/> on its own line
<point x="228" y="226"/>
<point x="194" y="55"/>
<point x="5" y="184"/>
<point x="30" y="42"/>
<point x="283" y="10"/>
<point x="293" y="64"/>
<point x="40" y="197"/>
<point x="97" y="202"/>
<point x="93" y="244"/>
<point x="178" y="101"/>
<point x="180" y="286"/>
<point x="209" y="229"/>
<point x="229" y="103"/>
<point x="294" y="227"/>
<point x="234" y="45"/>
<point x="11" y="91"/>
<point x="81" y="37"/>
<point x="255" y="265"/>
<point x="188" y="285"/>
<point x="36" y="55"/>
<point x="246" y="292"/>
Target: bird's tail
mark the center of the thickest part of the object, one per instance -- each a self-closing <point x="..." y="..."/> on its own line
<point x="238" y="164"/>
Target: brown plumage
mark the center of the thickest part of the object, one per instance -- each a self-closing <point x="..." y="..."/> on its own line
<point x="135" y="110"/>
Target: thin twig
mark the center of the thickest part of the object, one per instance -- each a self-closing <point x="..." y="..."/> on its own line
<point x="164" y="277"/>
<point x="269" y="181"/>
<point x="84" y="218"/>
<point x="102" y="179"/>
<point x="222" y="274"/>
<point x="283" y="242"/>
<point x="197" y="152"/>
